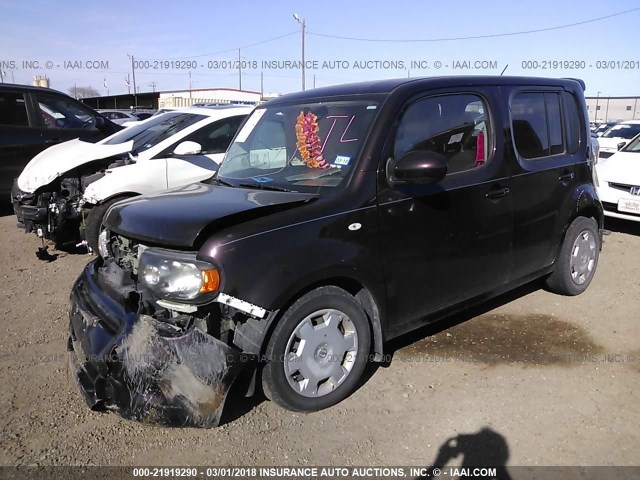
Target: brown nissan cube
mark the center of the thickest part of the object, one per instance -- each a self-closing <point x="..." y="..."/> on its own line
<point x="339" y="219"/>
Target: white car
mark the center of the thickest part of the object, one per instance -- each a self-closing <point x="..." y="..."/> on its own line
<point x="618" y="182"/>
<point x="617" y="136"/>
<point x="64" y="191"/>
<point x="119" y="116"/>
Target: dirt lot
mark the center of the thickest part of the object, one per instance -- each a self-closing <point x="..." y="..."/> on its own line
<point x="534" y="379"/>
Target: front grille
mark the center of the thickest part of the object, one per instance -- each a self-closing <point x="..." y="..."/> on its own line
<point x="621" y="186"/>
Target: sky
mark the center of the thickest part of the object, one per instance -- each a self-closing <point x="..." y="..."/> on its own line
<point x="194" y="44"/>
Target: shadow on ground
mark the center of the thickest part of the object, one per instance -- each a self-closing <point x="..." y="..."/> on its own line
<point x="622" y="226"/>
<point x="486" y="448"/>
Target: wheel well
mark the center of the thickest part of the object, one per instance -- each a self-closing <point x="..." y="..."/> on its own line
<point x="121" y="195"/>
<point x="591" y="212"/>
<point x="354" y="288"/>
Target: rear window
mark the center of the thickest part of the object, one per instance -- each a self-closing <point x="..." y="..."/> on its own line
<point x="537" y="124"/>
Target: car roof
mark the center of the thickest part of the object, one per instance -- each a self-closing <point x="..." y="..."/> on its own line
<point x="16" y="86"/>
<point x="389" y="86"/>
<point x="215" y="112"/>
<point x="630" y="122"/>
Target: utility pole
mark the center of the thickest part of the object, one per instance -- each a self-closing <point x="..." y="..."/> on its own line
<point x="261" y="85"/>
<point x="303" y="25"/>
<point x="75" y="91"/>
<point x="128" y="83"/>
<point x="133" y="72"/>
<point x="1" y="77"/>
<point x="153" y="86"/>
<point x="314" y="81"/>
<point x="239" y="71"/>
<point x="595" y="120"/>
<point x="190" y="94"/>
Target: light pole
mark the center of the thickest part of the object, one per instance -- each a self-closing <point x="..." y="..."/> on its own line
<point x="595" y="120"/>
<point x="133" y="72"/>
<point x="303" y="25"/>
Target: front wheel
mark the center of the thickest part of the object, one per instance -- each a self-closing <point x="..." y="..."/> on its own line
<point x="577" y="259"/>
<point x="93" y="222"/>
<point x="318" y="351"/>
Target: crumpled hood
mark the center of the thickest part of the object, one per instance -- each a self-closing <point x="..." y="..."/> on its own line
<point x="176" y="217"/>
<point x="621" y="167"/>
<point x="58" y="159"/>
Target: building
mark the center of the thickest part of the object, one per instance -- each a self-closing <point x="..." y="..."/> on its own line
<point x="175" y="98"/>
<point x="613" y="109"/>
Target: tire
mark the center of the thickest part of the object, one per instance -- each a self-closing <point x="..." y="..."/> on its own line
<point x="324" y="369"/>
<point x="93" y="223"/>
<point x="577" y="259"/>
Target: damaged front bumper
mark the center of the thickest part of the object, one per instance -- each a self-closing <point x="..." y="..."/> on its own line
<point x="142" y="368"/>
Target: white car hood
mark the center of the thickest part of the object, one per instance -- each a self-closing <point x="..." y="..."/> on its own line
<point x="622" y="167"/>
<point x="611" y="143"/>
<point x="58" y="159"/>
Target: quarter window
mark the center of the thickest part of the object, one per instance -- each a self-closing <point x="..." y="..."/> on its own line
<point x="537" y="124"/>
<point x="13" y="110"/>
<point x="456" y="126"/>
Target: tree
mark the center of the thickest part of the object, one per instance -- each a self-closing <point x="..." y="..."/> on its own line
<point x="83" y="92"/>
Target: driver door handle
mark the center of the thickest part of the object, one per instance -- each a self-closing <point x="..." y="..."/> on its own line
<point x="497" y="193"/>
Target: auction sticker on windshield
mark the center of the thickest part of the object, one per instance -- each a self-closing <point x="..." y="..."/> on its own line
<point x="250" y="124"/>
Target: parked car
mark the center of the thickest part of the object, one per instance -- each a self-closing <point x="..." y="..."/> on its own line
<point x="617" y="137"/>
<point x="63" y="193"/>
<point x="339" y="219"/>
<point x="34" y="118"/>
<point x="600" y="128"/>
<point x="119" y="116"/>
<point x="618" y="182"/>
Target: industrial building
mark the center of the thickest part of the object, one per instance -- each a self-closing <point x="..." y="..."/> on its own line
<point x="175" y="98"/>
<point x="614" y="109"/>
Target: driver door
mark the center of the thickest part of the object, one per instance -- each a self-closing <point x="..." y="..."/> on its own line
<point x="450" y="241"/>
<point x="214" y="140"/>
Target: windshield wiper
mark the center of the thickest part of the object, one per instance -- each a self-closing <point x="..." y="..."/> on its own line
<point x="221" y="182"/>
<point x="262" y="186"/>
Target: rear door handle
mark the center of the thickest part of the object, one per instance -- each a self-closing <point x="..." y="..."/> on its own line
<point x="567" y="177"/>
<point x="498" y="193"/>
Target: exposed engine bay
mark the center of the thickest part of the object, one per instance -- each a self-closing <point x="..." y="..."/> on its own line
<point x="57" y="211"/>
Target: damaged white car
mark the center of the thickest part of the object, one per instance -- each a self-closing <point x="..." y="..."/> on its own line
<point x="64" y="192"/>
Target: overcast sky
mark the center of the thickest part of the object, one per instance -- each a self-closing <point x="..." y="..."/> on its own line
<point x="200" y="36"/>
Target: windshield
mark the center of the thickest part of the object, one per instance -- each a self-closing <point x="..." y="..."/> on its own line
<point x="307" y="148"/>
<point x="154" y="131"/>
<point x="625" y="131"/>
<point x="633" y="145"/>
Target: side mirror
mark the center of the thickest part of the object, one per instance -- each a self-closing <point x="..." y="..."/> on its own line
<point x="187" y="148"/>
<point x="418" y="166"/>
<point x="621" y="144"/>
<point x="100" y="121"/>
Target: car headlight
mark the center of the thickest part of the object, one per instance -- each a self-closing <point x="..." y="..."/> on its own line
<point x="177" y="276"/>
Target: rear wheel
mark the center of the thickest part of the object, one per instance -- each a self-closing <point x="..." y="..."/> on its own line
<point x="318" y="351"/>
<point x="93" y="222"/>
<point x="577" y="259"/>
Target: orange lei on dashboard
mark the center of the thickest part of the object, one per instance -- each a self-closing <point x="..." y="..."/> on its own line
<point x="308" y="141"/>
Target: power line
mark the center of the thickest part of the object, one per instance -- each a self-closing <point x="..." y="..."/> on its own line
<point x="226" y="51"/>
<point x="475" y="37"/>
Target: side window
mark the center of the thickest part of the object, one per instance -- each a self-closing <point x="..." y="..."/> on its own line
<point x="456" y="126"/>
<point x="537" y="124"/>
<point x="13" y="110"/>
<point x="61" y="112"/>
<point x="216" y="137"/>
<point x="573" y="122"/>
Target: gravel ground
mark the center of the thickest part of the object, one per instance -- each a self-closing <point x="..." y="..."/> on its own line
<point x="532" y="379"/>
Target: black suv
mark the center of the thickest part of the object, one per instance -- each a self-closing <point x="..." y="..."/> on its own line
<point x="34" y="118"/>
<point x="340" y="218"/>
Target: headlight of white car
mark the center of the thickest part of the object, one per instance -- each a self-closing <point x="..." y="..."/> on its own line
<point x="177" y="276"/>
